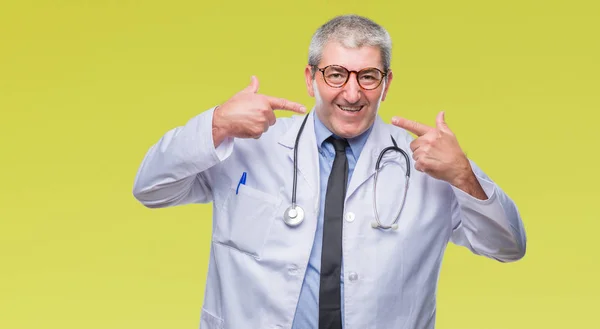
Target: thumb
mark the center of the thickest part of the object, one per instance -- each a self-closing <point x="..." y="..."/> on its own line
<point x="253" y="87"/>
<point x="441" y="121"/>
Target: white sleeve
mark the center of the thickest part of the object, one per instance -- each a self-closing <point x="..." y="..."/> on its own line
<point x="492" y="227"/>
<point x="173" y="171"/>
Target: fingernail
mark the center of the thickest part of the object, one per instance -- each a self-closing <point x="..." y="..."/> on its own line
<point x="303" y="109"/>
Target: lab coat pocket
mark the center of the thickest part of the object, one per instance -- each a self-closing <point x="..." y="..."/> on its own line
<point x="210" y="321"/>
<point x="245" y="219"/>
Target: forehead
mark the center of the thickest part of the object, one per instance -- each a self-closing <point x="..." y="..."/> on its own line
<point x="335" y="53"/>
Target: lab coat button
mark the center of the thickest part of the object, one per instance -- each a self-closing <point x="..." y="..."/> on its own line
<point x="353" y="276"/>
<point x="350" y="217"/>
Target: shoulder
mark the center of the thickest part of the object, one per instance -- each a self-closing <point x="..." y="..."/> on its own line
<point x="275" y="135"/>
<point x="283" y="125"/>
<point x="280" y="130"/>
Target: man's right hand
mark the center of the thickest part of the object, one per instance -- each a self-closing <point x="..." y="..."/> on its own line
<point x="248" y="114"/>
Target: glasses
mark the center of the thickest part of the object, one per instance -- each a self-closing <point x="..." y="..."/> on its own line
<point x="337" y="76"/>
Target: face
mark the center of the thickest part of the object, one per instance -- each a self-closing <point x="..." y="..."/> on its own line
<point x="350" y="110"/>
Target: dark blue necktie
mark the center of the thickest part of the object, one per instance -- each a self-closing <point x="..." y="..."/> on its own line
<point x="330" y="310"/>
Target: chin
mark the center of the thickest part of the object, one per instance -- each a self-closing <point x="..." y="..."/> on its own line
<point x="348" y="130"/>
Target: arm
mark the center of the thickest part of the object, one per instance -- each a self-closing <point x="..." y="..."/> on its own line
<point x="174" y="170"/>
<point x="489" y="226"/>
<point x="484" y="218"/>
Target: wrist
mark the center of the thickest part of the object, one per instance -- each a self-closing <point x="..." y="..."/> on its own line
<point x="464" y="180"/>
<point x="463" y="173"/>
<point x="468" y="183"/>
<point x="219" y="132"/>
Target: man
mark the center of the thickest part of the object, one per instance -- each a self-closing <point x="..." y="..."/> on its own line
<point x="334" y="269"/>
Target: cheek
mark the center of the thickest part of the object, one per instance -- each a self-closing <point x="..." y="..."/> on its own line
<point x="323" y="96"/>
<point x="375" y="98"/>
<point x="329" y="96"/>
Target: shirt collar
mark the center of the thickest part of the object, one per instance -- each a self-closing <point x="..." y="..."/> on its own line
<point x="356" y="143"/>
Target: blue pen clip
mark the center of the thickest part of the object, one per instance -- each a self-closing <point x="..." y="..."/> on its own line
<point x="242" y="181"/>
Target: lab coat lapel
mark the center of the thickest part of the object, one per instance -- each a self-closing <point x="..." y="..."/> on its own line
<point x="308" y="160"/>
<point x="378" y="139"/>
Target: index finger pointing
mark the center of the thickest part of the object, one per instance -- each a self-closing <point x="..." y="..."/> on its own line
<point x="283" y="104"/>
<point x="414" y="127"/>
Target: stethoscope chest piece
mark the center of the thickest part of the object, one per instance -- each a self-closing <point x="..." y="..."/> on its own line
<point x="293" y="216"/>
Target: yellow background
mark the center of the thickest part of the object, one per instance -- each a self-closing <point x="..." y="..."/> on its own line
<point x="87" y="86"/>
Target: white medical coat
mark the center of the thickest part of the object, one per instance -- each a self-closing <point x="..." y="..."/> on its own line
<point x="257" y="262"/>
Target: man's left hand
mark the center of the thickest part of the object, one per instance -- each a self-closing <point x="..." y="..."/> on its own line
<point x="437" y="153"/>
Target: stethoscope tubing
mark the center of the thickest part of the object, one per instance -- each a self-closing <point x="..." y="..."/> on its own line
<point x="298" y="212"/>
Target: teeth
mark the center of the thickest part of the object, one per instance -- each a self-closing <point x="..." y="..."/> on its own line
<point x="351" y="108"/>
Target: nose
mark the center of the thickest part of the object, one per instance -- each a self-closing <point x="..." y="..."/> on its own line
<point x="352" y="90"/>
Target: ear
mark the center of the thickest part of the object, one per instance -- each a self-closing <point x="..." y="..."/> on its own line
<point x="308" y="78"/>
<point x="390" y="76"/>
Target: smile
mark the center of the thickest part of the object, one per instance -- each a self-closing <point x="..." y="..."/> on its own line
<point x="350" y="108"/>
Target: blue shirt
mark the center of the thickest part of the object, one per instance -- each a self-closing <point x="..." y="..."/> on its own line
<point x="307" y="311"/>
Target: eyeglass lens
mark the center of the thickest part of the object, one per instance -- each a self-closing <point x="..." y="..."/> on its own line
<point x="336" y="76"/>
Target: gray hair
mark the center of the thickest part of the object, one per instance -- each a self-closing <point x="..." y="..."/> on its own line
<point x="352" y="31"/>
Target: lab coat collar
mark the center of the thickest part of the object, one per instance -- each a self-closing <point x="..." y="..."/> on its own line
<point x="308" y="159"/>
<point x="378" y="139"/>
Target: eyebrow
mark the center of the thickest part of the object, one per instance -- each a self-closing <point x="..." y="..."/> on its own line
<point x="366" y="67"/>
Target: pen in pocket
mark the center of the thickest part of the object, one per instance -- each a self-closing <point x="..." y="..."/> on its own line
<point x="242" y="181"/>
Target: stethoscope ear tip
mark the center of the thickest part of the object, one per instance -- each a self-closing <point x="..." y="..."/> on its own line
<point x="374" y="224"/>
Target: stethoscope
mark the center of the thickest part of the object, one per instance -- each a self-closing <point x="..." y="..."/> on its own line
<point x="294" y="214"/>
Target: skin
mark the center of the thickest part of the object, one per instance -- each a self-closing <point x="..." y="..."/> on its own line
<point x="437" y="153"/>
<point x="436" y="150"/>
<point x="329" y="99"/>
<point x="248" y="114"/>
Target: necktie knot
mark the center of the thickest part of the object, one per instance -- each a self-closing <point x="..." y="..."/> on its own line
<point x="338" y="144"/>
